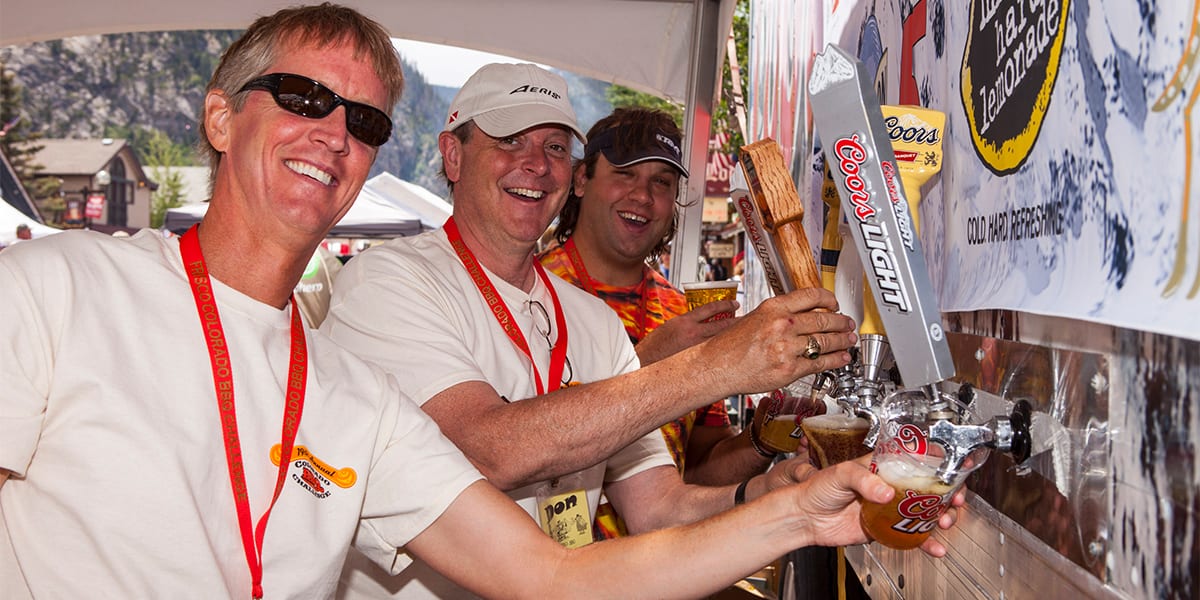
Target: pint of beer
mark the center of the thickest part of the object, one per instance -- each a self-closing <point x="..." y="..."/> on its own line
<point x="702" y="292"/>
<point x="781" y="433"/>
<point x="834" y="438"/>
<point x="913" y="513"/>
<point x="906" y="459"/>
<point x="783" y="410"/>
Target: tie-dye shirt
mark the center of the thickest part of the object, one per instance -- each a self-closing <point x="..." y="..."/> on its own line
<point x="642" y="308"/>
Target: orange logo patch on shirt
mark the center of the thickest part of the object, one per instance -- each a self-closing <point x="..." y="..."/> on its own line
<point x="313" y="466"/>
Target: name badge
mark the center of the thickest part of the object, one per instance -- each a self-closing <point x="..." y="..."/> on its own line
<point x="563" y="511"/>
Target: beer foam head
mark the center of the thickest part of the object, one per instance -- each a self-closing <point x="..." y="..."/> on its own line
<point x="836" y="421"/>
<point x="904" y="474"/>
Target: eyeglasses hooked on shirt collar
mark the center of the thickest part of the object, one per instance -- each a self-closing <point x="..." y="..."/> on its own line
<point x="544" y="326"/>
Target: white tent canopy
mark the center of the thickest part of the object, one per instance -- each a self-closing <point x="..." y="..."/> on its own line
<point x="10" y="218"/>
<point x="430" y="208"/>
<point x="386" y="207"/>
<point x="644" y="44"/>
<point x="668" y="47"/>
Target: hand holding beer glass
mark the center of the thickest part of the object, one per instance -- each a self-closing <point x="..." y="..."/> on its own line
<point x="906" y="459"/>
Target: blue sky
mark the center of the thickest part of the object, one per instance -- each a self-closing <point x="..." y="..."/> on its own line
<point x="445" y="65"/>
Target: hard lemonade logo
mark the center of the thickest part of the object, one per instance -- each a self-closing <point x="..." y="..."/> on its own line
<point x="1008" y="72"/>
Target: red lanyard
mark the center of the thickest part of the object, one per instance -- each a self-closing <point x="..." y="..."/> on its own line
<point x="558" y="354"/>
<point x="214" y="334"/>
<point x="642" y="316"/>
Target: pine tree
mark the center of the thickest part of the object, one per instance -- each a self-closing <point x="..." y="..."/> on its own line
<point x="18" y="140"/>
<point x="160" y="156"/>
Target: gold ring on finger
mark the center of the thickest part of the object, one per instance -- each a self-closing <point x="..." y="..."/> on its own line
<point x="813" y="349"/>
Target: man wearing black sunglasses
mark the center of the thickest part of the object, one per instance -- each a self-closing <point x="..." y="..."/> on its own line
<point x="457" y="315"/>
<point x="169" y="427"/>
<point x="308" y="98"/>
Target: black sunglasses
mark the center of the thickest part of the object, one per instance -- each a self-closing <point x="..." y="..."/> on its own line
<point x="308" y="98"/>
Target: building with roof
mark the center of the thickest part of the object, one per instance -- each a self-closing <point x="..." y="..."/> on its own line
<point x="103" y="183"/>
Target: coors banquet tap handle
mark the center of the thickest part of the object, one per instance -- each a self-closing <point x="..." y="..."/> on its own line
<point x="757" y="236"/>
<point x="916" y="134"/>
<point x="773" y="214"/>
<point x="859" y="153"/>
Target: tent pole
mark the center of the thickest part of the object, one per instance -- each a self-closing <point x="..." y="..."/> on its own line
<point x="707" y="43"/>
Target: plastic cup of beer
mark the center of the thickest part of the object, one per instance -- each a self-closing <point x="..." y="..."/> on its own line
<point x="699" y="293"/>
<point x="906" y="459"/>
<point x="783" y="411"/>
<point x="834" y="438"/>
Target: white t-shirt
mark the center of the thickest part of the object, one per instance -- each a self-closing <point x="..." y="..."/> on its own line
<point x="410" y="306"/>
<point x="109" y="421"/>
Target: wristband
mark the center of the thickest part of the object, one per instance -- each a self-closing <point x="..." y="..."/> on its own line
<point x="739" y="495"/>
<point x="763" y="452"/>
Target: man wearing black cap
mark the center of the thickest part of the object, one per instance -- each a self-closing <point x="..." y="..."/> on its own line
<point x="533" y="378"/>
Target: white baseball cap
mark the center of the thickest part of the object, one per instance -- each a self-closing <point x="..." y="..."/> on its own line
<point x="504" y="99"/>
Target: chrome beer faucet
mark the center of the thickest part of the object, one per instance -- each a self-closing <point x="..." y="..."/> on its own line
<point x="859" y="386"/>
<point x="874" y="352"/>
<point x="1003" y="433"/>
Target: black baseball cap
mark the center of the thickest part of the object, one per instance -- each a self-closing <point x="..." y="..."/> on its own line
<point x="666" y="148"/>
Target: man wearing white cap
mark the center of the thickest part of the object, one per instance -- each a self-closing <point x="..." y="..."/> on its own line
<point x="533" y="378"/>
<point x="621" y="211"/>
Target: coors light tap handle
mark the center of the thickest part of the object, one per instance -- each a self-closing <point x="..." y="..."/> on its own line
<point x="859" y="154"/>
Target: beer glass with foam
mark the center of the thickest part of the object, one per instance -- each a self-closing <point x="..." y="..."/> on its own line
<point x="702" y="292"/>
<point x="783" y="410"/>
<point x="834" y="438"/>
<point x="906" y="459"/>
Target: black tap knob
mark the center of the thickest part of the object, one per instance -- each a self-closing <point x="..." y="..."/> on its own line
<point x="1022" y="443"/>
<point x="966" y="394"/>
